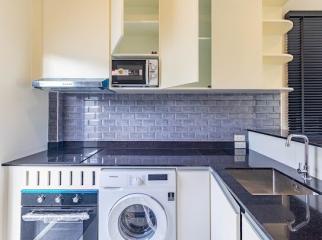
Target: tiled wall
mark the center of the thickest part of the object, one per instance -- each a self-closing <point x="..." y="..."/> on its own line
<point x="165" y="117"/>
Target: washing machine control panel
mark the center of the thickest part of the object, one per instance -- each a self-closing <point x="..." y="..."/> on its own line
<point x="135" y="178"/>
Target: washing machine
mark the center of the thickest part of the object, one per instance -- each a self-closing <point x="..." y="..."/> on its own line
<point x="137" y="204"/>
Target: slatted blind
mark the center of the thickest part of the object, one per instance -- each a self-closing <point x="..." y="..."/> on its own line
<point x="305" y="72"/>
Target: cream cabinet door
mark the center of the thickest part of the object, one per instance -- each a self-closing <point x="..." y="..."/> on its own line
<point x="193" y="206"/>
<point x="178" y="41"/>
<point x="117" y="22"/>
<point x="237" y="44"/>
<point x="75" y="38"/>
<point x="225" y="213"/>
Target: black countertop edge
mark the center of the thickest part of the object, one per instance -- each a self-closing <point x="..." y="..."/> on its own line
<point x="142" y="144"/>
<point x="315" y="140"/>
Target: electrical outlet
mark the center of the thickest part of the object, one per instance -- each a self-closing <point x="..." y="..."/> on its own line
<point x="240" y="158"/>
<point x="240" y="145"/>
<point x="239" y="138"/>
<point x="240" y="152"/>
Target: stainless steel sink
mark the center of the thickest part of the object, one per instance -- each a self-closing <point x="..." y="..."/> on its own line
<point x="268" y="182"/>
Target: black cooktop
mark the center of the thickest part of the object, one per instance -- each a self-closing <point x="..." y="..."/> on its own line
<point x="70" y="155"/>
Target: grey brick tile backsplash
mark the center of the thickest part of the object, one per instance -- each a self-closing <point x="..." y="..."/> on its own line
<point x="160" y="117"/>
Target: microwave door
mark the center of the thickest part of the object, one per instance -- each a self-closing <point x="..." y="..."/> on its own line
<point x="129" y="72"/>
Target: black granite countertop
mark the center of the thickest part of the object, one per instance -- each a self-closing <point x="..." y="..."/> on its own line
<point x="315" y="139"/>
<point x="271" y="213"/>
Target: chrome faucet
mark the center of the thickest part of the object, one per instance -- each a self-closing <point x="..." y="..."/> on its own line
<point x="305" y="170"/>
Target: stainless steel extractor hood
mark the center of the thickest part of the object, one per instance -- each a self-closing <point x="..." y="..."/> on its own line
<point x="73" y="85"/>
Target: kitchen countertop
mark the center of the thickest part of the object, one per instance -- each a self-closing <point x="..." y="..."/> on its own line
<point x="315" y="139"/>
<point x="271" y="213"/>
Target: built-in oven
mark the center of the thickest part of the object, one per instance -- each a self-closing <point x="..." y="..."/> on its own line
<point x="135" y="72"/>
<point x="59" y="215"/>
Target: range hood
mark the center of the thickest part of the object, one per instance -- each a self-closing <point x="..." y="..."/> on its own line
<point x="73" y="85"/>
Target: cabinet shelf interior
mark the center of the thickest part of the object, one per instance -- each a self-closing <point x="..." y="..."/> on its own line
<point x="141" y="28"/>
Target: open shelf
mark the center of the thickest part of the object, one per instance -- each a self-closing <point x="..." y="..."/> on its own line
<point x="274" y="3"/>
<point x="273" y="26"/>
<point x="279" y="59"/>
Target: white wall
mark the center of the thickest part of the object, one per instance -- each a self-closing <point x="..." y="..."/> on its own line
<point x="24" y="113"/>
<point x="303" y="5"/>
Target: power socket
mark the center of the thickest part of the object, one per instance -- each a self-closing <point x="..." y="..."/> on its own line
<point x="239" y="138"/>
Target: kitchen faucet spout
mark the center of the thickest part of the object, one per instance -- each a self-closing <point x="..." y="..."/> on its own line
<point x="305" y="170"/>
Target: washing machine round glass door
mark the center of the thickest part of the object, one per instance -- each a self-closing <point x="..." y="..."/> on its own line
<point x="137" y="217"/>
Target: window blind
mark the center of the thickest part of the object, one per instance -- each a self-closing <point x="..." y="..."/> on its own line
<point x="305" y="72"/>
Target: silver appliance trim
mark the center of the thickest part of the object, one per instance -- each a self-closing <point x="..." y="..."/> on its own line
<point x="72" y="84"/>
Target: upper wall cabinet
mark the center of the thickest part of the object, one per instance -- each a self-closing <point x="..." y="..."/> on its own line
<point x="201" y="44"/>
<point x="237" y="44"/>
<point x="75" y="38"/>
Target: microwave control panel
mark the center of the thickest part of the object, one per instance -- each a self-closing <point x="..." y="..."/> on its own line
<point x="153" y="65"/>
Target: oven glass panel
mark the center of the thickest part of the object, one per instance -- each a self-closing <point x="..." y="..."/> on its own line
<point x="58" y="225"/>
<point x="58" y="231"/>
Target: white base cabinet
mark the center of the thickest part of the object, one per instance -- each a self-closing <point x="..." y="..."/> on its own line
<point x="193" y="204"/>
<point x="250" y="231"/>
<point x="225" y="212"/>
<point x="205" y="208"/>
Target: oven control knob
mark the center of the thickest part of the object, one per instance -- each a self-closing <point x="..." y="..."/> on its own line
<point x="76" y="199"/>
<point x="58" y="199"/>
<point x="41" y="198"/>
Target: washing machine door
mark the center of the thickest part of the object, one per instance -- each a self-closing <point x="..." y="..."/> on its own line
<point x="136" y="217"/>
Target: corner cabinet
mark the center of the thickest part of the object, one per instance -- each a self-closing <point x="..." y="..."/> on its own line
<point x="225" y="212"/>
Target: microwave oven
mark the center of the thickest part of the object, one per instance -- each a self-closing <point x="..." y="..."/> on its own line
<point x="135" y="72"/>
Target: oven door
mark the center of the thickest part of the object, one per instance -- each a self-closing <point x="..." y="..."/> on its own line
<point x="59" y="223"/>
<point x="129" y="73"/>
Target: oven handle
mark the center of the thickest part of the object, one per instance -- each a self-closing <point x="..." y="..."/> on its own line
<point x="55" y="217"/>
